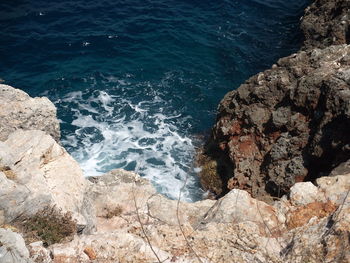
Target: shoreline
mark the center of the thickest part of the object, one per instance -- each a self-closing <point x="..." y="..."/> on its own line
<point x="286" y="124"/>
<point x="50" y="213"/>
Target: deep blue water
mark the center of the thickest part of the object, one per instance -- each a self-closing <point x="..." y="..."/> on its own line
<point x="136" y="81"/>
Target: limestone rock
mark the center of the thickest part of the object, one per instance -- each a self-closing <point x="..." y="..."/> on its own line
<point x="172" y="212"/>
<point x="334" y="188"/>
<point x="238" y="206"/>
<point x="114" y="194"/>
<point x="118" y="246"/>
<point x="38" y="253"/>
<point x="341" y="169"/>
<point x="41" y="173"/>
<point x="120" y="237"/>
<point x="12" y="247"/>
<point x="236" y="228"/>
<point x="19" y="111"/>
<point x="300" y="216"/>
<point x="303" y="193"/>
<point x="323" y="239"/>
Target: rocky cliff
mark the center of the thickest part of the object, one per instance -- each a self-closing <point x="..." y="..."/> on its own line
<point x="19" y="111"/>
<point x="50" y="213"/>
<point x="290" y="123"/>
<point x="325" y="23"/>
<point x="292" y="116"/>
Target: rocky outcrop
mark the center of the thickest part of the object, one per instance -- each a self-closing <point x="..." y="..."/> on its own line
<point x="135" y="224"/>
<point x="36" y="173"/>
<point x="284" y="126"/>
<point x="121" y="218"/>
<point x="19" y="111"/>
<point x="326" y="22"/>
<point x="12" y="247"/>
<point x="287" y="124"/>
<point x="290" y="123"/>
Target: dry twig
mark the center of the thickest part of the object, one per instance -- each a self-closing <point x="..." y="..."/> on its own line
<point x="181" y="229"/>
<point x="143" y="228"/>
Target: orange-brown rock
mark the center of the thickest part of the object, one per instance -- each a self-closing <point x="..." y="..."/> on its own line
<point x="277" y="134"/>
<point x="90" y="252"/>
<point x="302" y="215"/>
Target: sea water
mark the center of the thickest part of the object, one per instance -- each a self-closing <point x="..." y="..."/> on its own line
<point x="137" y="82"/>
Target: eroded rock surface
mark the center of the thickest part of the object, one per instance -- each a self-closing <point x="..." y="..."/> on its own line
<point x="236" y="228"/>
<point x="326" y="22"/>
<point x="282" y="126"/>
<point x="287" y="124"/>
<point x="290" y="123"/>
<point x="19" y="111"/>
<point x="35" y="173"/>
<point x="13" y="248"/>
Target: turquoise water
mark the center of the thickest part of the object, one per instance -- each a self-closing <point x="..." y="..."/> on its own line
<point x="137" y="83"/>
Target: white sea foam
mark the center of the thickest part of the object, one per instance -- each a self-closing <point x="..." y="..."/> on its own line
<point x="115" y="132"/>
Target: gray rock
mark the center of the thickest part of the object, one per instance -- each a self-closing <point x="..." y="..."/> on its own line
<point x="13" y="248"/>
<point x="341" y="169"/>
<point x="307" y="97"/>
<point x="335" y="188"/>
<point x="326" y="23"/>
<point x="305" y="134"/>
<point x="40" y="174"/>
<point x="19" y="111"/>
<point x="281" y="117"/>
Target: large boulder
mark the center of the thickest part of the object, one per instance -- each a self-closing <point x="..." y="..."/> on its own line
<point x="19" y="111"/>
<point x="285" y="125"/>
<point x="290" y="123"/>
<point x="13" y="248"/>
<point x="37" y="173"/>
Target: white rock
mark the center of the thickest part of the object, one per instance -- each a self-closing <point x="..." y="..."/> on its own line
<point x="117" y="246"/>
<point x="41" y="174"/>
<point x="2" y="217"/>
<point x="19" y="111"/>
<point x="303" y="193"/>
<point x="171" y="212"/>
<point x="335" y="188"/>
<point x="12" y="248"/>
<point x="238" y="206"/>
<point x="39" y="253"/>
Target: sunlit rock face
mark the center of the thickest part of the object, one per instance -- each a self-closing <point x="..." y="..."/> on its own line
<point x="121" y="218"/>
<point x="282" y="127"/>
<point x="19" y="111"/>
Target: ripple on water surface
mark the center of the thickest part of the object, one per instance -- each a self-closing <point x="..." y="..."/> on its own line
<point x="138" y="133"/>
<point x="134" y="81"/>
